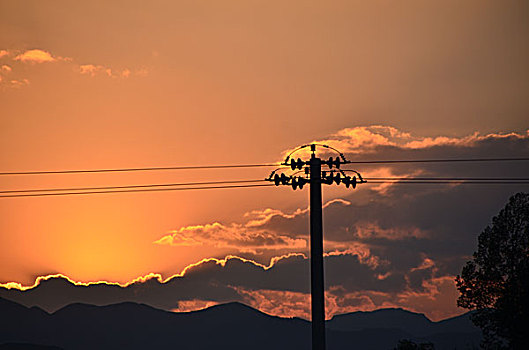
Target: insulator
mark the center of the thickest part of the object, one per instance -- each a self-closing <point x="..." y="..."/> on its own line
<point x="307" y="170"/>
<point x="293" y="164"/>
<point x="347" y="181"/>
<point x="294" y="183"/>
<point x="354" y="182"/>
<point x="301" y="182"/>
<point x="323" y="174"/>
<point x="337" y="163"/>
<point x="284" y="179"/>
<point x="299" y="164"/>
<point x="277" y="179"/>
<point x="329" y="179"/>
<point x="338" y="179"/>
<point x="329" y="162"/>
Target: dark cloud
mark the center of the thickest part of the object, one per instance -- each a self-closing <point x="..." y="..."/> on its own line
<point x="215" y="280"/>
<point x="397" y="237"/>
<point x="402" y="224"/>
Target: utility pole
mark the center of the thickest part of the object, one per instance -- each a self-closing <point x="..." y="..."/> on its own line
<point x="317" y="282"/>
<point x="315" y="177"/>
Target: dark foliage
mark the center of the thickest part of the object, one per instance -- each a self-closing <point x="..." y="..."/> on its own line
<point x="496" y="281"/>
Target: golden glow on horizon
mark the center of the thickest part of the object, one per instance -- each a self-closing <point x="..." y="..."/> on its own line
<point x="159" y="277"/>
<point x="151" y="275"/>
<point x="296" y="304"/>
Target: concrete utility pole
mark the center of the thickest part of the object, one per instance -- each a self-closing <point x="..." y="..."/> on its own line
<point x="316" y="177"/>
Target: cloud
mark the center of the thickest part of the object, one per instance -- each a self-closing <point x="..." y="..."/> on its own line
<point x="89" y="69"/>
<point x="93" y="70"/>
<point x="6" y="78"/>
<point x="374" y="139"/>
<point x="37" y="56"/>
<point x="234" y="236"/>
<point x="209" y="279"/>
<point x="398" y="225"/>
<point x="280" y="288"/>
<point x="277" y="302"/>
<point x="193" y="305"/>
<point x="294" y="224"/>
<point x="18" y="83"/>
<point x="391" y="246"/>
<point x="361" y="139"/>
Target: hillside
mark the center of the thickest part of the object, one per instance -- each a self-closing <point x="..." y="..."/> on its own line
<point x="228" y="326"/>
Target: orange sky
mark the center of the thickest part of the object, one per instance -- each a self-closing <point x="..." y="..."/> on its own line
<point x="110" y="84"/>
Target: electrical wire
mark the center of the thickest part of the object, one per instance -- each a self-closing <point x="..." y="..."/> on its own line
<point x="450" y="178"/>
<point x="79" y="171"/>
<point x="134" y="190"/>
<point x="371" y="179"/>
<point x="129" y="186"/>
<point x="137" y="169"/>
<point x="460" y="182"/>
<point x="147" y="188"/>
<point x="437" y="160"/>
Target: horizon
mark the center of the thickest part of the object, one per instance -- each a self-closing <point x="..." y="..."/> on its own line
<point x="232" y="326"/>
<point x="226" y="304"/>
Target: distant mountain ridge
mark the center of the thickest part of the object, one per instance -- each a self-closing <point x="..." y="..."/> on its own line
<point x="227" y="326"/>
<point x="396" y="318"/>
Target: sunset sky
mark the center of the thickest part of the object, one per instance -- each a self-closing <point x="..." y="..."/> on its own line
<point x="121" y="84"/>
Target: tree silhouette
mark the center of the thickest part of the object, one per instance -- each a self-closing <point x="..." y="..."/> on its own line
<point x="495" y="282"/>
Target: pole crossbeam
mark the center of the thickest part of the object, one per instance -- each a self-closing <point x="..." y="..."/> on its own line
<point x="315" y="177"/>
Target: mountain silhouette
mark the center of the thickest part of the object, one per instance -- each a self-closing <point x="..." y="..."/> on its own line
<point x="407" y="321"/>
<point x="227" y="326"/>
<point x="396" y="318"/>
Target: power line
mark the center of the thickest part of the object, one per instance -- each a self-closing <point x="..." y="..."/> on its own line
<point x="137" y="169"/>
<point x="80" y="171"/>
<point x="460" y="182"/>
<point x="371" y="180"/>
<point x="449" y="160"/>
<point x="139" y="188"/>
<point x="453" y="178"/>
<point x="134" y="190"/>
<point x="129" y="186"/>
